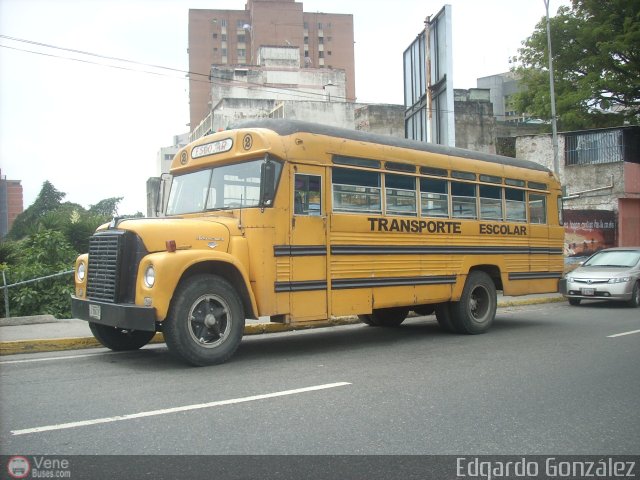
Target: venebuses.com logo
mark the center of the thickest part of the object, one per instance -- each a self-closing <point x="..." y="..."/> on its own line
<point x="19" y="466"/>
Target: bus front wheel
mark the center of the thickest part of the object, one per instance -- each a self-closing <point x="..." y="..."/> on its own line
<point x="206" y="321"/>
<point x="475" y="311"/>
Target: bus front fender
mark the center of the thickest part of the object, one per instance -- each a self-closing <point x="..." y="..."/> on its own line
<point x="171" y="267"/>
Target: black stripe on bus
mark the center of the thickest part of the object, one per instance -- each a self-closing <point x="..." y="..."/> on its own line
<point x="302" y="286"/>
<point x="321" y="250"/>
<point x="347" y="283"/>
<point x="533" y="275"/>
<point x="442" y="250"/>
<point x="299" y="250"/>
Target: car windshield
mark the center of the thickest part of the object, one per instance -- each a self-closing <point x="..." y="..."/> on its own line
<point x="614" y="258"/>
<point x="230" y="186"/>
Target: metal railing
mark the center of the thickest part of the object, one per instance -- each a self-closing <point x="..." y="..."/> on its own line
<point x="6" y="287"/>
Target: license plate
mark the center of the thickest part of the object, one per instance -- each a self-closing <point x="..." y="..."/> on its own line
<point x="588" y="291"/>
<point x="94" y="311"/>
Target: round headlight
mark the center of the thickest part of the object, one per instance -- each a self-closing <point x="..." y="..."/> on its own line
<point x="81" y="271"/>
<point x="149" y="276"/>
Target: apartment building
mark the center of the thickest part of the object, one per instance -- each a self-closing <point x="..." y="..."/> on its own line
<point x="235" y="37"/>
<point x="10" y="203"/>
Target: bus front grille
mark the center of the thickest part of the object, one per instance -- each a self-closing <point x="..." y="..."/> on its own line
<point x="104" y="267"/>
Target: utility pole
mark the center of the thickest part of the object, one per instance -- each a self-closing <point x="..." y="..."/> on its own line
<point x="554" y="127"/>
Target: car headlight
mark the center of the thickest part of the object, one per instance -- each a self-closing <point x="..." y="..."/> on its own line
<point x="150" y="276"/>
<point x="569" y="279"/>
<point x="81" y="272"/>
<point x="619" y="280"/>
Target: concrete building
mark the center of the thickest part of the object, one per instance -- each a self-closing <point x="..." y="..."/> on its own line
<point x="502" y="87"/>
<point x="276" y="88"/>
<point x="600" y="170"/>
<point x="474" y="120"/>
<point x="233" y="38"/>
<point x="166" y="154"/>
<point x="11" y="203"/>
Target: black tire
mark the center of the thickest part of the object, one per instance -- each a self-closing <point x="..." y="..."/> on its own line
<point x="476" y="310"/>
<point x="574" y="301"/>
<point x="424" y="310"/>
<point x="634" y="301"/>
<point x="118" y="339"/>
<point x="206" y="321"/>
<point x="385" y="317"/>
<point x="443" y="316"/>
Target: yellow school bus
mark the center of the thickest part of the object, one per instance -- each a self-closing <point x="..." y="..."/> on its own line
<point x="299" y="222"/>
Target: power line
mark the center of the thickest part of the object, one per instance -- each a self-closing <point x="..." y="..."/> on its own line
<point x="190" y="74"/>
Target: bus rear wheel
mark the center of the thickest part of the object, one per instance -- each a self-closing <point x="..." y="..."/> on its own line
<point x="118" y="339"/>
<point x="476" y="310"/>
<point x="206" y="321"/>
<point x="385" y="317"/>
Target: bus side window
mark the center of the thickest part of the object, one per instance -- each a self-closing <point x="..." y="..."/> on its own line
<point x="515" y="203"/>
<point x="434" y="197"/>
<point x="463" y="200"/>
<point x="307" y="195"/>
<point x="356" y="191"/>
<point x="537" y="208"/>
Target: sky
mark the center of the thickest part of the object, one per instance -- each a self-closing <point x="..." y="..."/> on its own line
<point x="93" y="127"/>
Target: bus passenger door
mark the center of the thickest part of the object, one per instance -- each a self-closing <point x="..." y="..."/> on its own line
<point x="308" y="240"/>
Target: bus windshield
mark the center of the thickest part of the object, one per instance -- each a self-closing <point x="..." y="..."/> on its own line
<point x="226" y="187"/>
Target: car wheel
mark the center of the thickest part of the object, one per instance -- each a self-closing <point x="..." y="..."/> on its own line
<point x="634" y="301"/>
<point x="574" y="301"/>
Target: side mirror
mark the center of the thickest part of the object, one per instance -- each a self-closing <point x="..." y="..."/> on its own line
<point x="267" y="183"/>
<point x="162" y="193"/>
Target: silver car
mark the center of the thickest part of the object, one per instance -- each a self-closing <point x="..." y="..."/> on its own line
<point x="610" y="274"/>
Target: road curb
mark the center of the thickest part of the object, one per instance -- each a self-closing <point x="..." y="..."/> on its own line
<point x="76" y="343"/>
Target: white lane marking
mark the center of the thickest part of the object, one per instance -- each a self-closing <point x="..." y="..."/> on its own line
<point x="65" y="357"/>
<point x="185" y="408"/>
<point x="623" y="334"/>
<point x="72" y="357"/>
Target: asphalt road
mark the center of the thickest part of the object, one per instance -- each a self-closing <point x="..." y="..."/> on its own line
<point x="547" y="379"/>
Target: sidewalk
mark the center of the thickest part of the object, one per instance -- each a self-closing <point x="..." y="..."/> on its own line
<point x="44" y="333"/>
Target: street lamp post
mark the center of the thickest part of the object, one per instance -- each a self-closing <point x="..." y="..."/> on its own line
<point x="554" y="127"/>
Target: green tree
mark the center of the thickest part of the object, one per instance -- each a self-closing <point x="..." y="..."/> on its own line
<point x="596" y="62"/>
<point x="42" y="254"/>
<point x="49" y="200"/>
<point x="107" y="207"/>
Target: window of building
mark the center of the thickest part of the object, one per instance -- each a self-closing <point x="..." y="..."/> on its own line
<point x="320" y="54"/>
<point x="242" y="52"/>
<point x="306" y="40"/>
<point x="320" y="40"/>
<point x="223" y="22"/>
<point x="356" y="191"/>
<point x="223" y="37"/>
<point x="319" y="26"/>
<point x="240" y="23"/>
<point x="242" y="38"/>
<point x="400" y="194"/>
